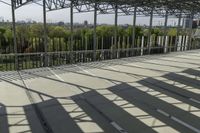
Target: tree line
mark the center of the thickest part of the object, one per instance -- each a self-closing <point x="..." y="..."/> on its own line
<point x="30" y="37"/>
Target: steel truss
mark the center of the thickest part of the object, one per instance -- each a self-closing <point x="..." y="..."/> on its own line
<point x="174" y="7"/>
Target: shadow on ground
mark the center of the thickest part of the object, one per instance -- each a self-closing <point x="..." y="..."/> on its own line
<point x="51" y="115"/>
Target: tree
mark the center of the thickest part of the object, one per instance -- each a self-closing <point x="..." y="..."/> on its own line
<point x="57" y="31"/>
<point x="105" y="31"/>
<point x="172" y="32"/>
<point x="36" y="30"/>
<point x="3" y="43"/>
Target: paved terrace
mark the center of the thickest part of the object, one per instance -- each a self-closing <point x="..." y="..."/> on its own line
<point x="157" y="93"/>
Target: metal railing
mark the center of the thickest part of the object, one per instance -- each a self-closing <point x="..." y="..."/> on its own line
<point x="55" y="58"/>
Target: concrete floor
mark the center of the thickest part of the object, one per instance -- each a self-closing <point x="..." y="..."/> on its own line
<point x="149" y="94"/>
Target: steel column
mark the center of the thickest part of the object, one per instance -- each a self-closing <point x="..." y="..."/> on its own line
<point x="71" y="31"/>
<point x="95" y="33"/>
<point x="116" y="25"/>
<point x="14" y="34"/>
<point x="134" y="26"/>
<point x="116" y="28"/>
<point x="149" y="34"/>
<point x="178" y="31"/>
<point x="190" y="32"/>
<point x="165" y="32"/>
<point x="45" y="35"/>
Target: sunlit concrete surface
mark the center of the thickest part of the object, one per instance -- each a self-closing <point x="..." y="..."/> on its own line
<point x="149" y="94"/>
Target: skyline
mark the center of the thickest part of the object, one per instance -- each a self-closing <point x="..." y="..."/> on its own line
<point x="34" y="12"/>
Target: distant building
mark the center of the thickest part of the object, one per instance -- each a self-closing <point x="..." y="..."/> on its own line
<point x="85" y="23"/>
<point x="1" y="19"/>
<point x="186" y="22"/>
<point x="196" y="23"/>
<point x="61" y="23"/>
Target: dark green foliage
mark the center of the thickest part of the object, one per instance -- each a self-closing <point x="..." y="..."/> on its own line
<point x="30" y="36"/>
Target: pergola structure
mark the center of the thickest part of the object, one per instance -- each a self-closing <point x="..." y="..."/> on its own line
<point x="162" y="8"/>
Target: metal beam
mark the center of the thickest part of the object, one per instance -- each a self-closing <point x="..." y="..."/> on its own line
<point x="178" y="31"/>
<point x="5" y="3"/>
<point x="71" y="31"/>
<point x="149" y="33"/>
<point x="14" y="35"/>
<point x="190" y="32"/>
<point x="165" y="32"/>
<point x="45" y="35"/>
<point x="116" y="26"/>
<point x="134" y="26"/>
<point x="126" y="6"/>
<point x="95" y="32"/>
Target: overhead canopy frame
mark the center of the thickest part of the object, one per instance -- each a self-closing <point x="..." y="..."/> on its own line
<point x="126" y="7"/>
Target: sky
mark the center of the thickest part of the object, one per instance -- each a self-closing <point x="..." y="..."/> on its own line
<point x="34" y="12"/>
